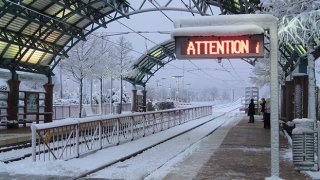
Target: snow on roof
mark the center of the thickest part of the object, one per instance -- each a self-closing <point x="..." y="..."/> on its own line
<point x="243" y="19"/>
<point x="229" y="30"/>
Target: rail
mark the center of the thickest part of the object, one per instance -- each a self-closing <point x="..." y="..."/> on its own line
<point x="74" y="137"/>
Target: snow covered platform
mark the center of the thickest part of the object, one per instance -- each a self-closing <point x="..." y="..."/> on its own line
<point x="242" y="151"/>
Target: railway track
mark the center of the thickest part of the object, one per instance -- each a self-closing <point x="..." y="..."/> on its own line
<point x="17" y="146"/>
<point x="154" y="145"/>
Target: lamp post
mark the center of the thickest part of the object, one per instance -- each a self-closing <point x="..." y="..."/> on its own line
<point x="188" y="98"/>
<point x="177" y="85"/>
<point x="157" y="89"/>
<point x="170" y="91"/>
<point x="111" y="94"/>
<point x="162" y="88"/>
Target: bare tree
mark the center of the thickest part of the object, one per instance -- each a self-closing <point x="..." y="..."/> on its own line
<point x="209" y="93"/>
<point x="105" y="67"/>
<point x="121" y="55"/>
<point x="151" y="92"/>
<point x="82" y="61"/>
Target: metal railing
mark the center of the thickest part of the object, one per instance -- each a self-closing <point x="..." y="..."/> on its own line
<point x="71" y="138"/>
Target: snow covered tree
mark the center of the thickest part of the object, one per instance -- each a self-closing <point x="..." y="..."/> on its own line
<point x="105" y="67"/>
<point x="120" y="54"/>
<point x="209" y="94"/>
<point x="151" y="93"/>
<point x="83" y="60"/>
<point x="304" y="30"/>
<point x="262" y="72"/>
<point x="299" y="25"/>
<point x="288" y="8"/>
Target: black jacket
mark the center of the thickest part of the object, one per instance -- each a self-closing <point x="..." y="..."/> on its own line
<point x="251" y="109"/>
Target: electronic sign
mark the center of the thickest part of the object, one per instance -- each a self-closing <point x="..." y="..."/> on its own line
<point x="245" y="46"/>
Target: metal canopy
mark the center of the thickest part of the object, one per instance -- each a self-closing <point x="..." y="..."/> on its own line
<point x="148" y="64"/>
<point x="35" y="35"/>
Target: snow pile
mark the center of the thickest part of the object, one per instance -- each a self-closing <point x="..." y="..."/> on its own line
<point x="303" y="126"/>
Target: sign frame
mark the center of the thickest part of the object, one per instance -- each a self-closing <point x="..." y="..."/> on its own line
<point x="206" y="47"/>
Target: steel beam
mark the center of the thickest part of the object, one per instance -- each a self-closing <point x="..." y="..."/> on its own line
<point x="46" y="21"/>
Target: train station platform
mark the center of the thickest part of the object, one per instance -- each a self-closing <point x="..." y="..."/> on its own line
<point x="242" y="151"/>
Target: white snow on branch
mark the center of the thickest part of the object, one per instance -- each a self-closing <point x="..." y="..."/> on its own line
<point x="302" y="29"/>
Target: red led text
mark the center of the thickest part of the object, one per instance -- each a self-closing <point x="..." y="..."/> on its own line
<point x="197" y="47"/>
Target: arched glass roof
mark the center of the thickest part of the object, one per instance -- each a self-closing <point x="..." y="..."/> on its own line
<point x="149" y="63"/>
<point x="36" y="34"/>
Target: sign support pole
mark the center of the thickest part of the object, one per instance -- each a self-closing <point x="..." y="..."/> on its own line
<point x="273" y="29"/>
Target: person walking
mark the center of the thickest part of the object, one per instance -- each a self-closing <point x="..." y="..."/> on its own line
<point x="251" y="112"/>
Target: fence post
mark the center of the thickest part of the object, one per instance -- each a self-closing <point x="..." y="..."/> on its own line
<point x="118" y="133"/>
<point x="100" y="134"/>
<point x="77" y="140"/>
<point x="161" y="121"/>
<point x="131" y="127"/>
<point x="144" y="122"/>
<point x="174" y="117"/>
<point x="34" y="141"/>
<point x="192" y="113"/>
<point x="177" y="117"/>
<point x="154" y="123"/>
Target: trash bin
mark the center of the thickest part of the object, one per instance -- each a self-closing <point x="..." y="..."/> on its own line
<point x="303" y="144"/>
<point x="116" y="108"/>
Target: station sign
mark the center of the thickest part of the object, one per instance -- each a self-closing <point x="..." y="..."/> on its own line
<point x="245" y="46"/>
